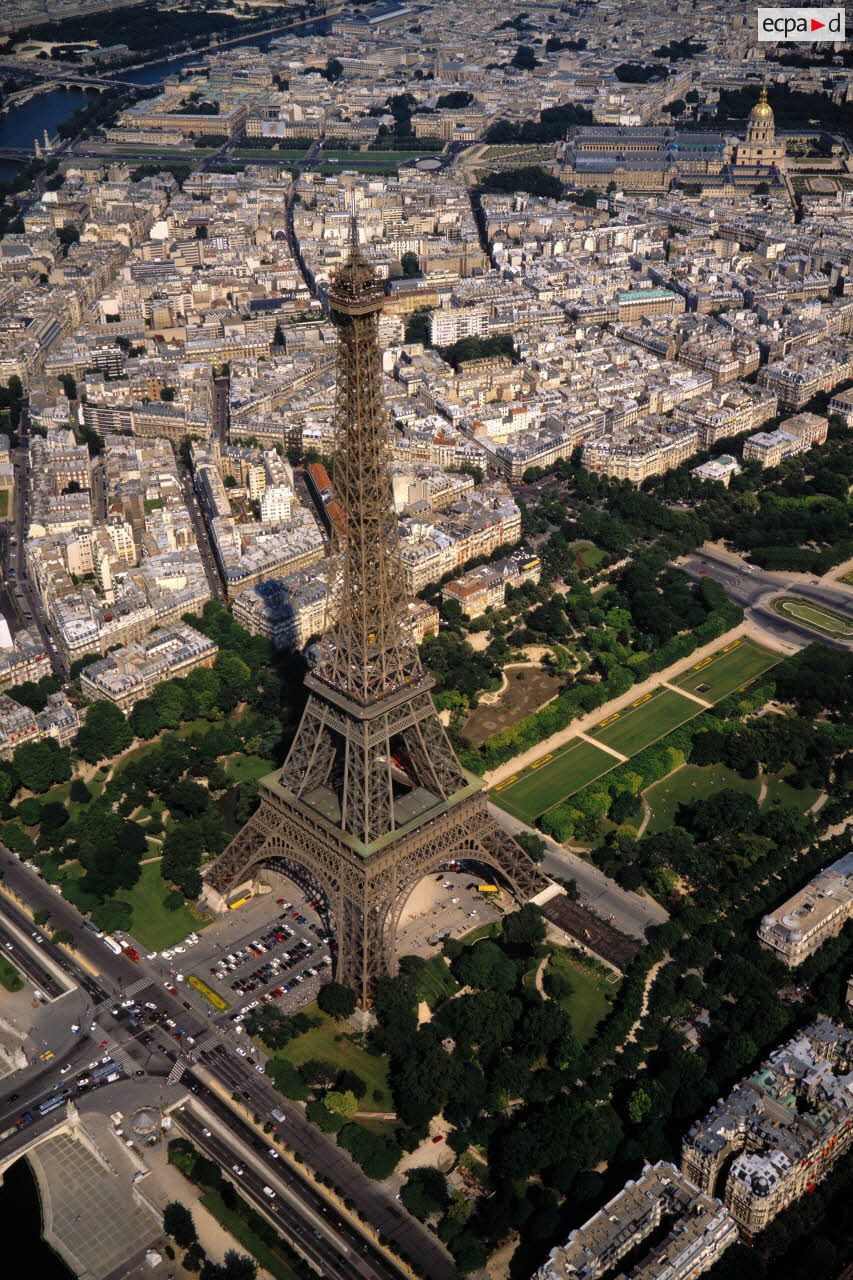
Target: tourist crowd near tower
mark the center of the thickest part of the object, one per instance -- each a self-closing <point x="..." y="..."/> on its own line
<point x="371" y="797"/>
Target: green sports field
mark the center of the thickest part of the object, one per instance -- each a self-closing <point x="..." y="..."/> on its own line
<point x="718" y="676"/>
<point x="550" y="779"/>
<point x="636" y="727"/>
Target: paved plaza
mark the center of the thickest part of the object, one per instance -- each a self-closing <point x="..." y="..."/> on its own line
<point x="90" y="1214"/>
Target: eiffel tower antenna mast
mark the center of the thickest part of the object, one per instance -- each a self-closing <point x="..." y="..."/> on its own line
<point x="371" y="797"/>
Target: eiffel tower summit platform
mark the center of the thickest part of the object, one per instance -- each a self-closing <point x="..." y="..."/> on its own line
<point x="371" y="798"/>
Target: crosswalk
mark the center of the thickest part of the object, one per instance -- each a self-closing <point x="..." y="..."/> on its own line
<point x="135" y="987"/>
<point x="176" y="1073"/>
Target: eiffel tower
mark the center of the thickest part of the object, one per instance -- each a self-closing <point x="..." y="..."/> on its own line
<point x="371" y="798"/>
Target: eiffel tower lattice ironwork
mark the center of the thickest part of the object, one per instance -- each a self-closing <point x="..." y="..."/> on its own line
<point x="371" y="797"/>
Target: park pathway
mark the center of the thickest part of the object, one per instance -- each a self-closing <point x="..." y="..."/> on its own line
<point x="644" y="1007"/>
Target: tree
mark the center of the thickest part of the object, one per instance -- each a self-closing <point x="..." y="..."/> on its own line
<point x="29" y="811"/>
<point x="79" y="792"/>
<point x="41" y="917"/>
<point x="425" y="1192"/>
<point x="485" y="966"/>
<point x="639" y="1106"/>
<point x="188" y="799"/>
<point x="524" y="928"/>
<point x="336" y="1000"/>
<point x="411" y="265"/>
<point x="334" y="69"/>
<point x="234" y="1266"/>
<point x="530" y="178"/>
<point x="178" y="1223"/>
<point x="273" y="1026"/>
<point x="343" y="1104"/>
<point x="104" y="734"/>
<point x="319" y="1073"/>
<point x="145" y="720"/>
<point x="42" y="764"/>
<point x="112" y="915"/>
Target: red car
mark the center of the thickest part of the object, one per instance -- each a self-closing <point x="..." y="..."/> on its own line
<point x="279" y="902"/>
<point x="103" y="1045"/>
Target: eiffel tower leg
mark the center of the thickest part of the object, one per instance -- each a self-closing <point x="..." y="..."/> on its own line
<point x="237" y="858"/>
<point x="521" y="872"/>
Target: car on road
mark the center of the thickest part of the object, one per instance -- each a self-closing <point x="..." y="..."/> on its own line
<point x="269" y="1193"/>
<point x="64" y="1070"/>
<point x="272" y="1153"/>
<point x="235" y="1168"/>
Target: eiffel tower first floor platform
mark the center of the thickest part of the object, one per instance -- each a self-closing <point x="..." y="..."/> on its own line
<point x="366" y="888"/>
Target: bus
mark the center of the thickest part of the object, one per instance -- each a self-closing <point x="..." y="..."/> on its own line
<point x="102" y="1073"/>
<point x="487" y="888"/>
<point x="56" y="1100"/>
<point x="93" y="928"/>
<point x="232" y="906"/>
<point x="112" y="944"/>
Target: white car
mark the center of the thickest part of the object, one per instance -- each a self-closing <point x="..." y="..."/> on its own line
<point x="235" y="1168"/>
<point x="149" y="1004"/>
<point x="447" y="885"/>
<point x="241" y="1051"/>
<point x="179" y="951"/>
<point x="260" y="1068"/>
<point x="65" y="1069"/>
<point x="126" y="1004"/>
<point x="268" y="1191"/>
<point x="273" y="1154"/>
<point x="207" y="1133"/>
<point x="166" y="955"/>
<point x="75" y="1028"/>
<point x="179" y="977"/>
<point x="152" y="955"/>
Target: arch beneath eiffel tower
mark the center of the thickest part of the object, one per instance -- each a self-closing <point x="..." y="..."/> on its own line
<point x="363" y="897"/>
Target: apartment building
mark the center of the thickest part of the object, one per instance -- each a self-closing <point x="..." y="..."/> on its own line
<point x="787" y="1125"/>
<point x="128" y="674"/>
<point x="727" y="411"/>
<point x="19" y="724"/>
<point x="648" y="448"/>
<point x="803" y="374"/>
<point x="700" y="1231"/>
<point x="818" y="911"/>
<point x="23" y="656"/>
<point x="287" y="610"/>
<point x="485" y="588"/>
<point x="795" y="435"/>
